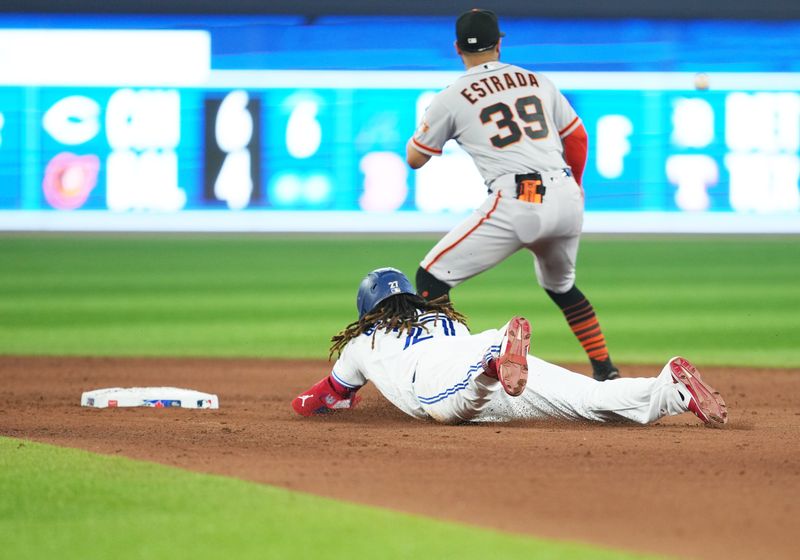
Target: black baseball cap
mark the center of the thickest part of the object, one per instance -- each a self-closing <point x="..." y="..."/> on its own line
<point x="477" y="30"/>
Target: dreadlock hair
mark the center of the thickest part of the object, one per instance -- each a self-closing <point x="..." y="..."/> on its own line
<point x="401" y="312"/>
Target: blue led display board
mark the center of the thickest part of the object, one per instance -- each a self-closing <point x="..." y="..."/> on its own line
<point x="324" y="148"/>
<point x="161" y="149"/>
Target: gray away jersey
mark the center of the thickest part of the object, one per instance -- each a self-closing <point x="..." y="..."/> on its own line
<point x="508" y="119"/>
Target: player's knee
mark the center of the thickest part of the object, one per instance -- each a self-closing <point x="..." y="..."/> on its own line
<point x="430" y="287"/>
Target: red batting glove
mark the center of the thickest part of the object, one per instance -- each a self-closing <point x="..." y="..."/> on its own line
<point x="324" y="397"/>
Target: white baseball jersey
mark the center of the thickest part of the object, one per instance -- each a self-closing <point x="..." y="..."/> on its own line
<point x="392" y="362"/>
<point x="438" y="373"/>
<point x="510" y="120"/>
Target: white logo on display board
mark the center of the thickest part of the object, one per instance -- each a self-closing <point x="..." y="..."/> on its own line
<point x="613" y="145"/>
<point x="143" y="129"/>
<point x="692" y="123"/>
<point x="693" y="174"/>
<point x="290" y="189"/>
<point x="73" y="120"/>
<point x="68" y="177"/>
<point x="303" y="130"/>
<point x="233" y="130"/>
<point x="762" y="134"/>
<point x="385" y="182"/>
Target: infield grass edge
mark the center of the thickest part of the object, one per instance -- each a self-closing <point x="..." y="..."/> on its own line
<point x="67" y="503"/>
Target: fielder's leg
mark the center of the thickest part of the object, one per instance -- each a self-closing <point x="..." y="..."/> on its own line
<point x="555" y="270"/>
<point x="478" y="243"/>
<point x="430" y="287"/>
<point x="583" y="321"/>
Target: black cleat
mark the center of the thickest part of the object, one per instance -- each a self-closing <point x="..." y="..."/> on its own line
<point x="604" y="371"/>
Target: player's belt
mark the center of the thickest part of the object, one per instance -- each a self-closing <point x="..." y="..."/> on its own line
<point x="530" y="187"/>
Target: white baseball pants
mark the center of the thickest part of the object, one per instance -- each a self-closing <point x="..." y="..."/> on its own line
<point x="451" y="387"/>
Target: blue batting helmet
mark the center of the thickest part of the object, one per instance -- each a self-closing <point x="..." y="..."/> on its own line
<point x="379" y="285"/>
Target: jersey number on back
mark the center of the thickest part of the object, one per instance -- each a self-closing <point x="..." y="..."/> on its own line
<point x="418" y="334"/>
<point x="529" y="110"/>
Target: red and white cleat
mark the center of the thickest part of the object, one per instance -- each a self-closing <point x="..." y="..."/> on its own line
<point x="704" y="401"/>
<point x="512" y="365"/>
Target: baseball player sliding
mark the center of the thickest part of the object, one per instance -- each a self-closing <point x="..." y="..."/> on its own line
<point x="530" y="147"/>
<point x="422" y="358"/>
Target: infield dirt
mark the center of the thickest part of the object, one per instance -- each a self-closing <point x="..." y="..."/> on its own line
<point x="674" y="488"/>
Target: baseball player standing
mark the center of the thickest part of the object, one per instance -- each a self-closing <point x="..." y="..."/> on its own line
<point x="530" y="147"/>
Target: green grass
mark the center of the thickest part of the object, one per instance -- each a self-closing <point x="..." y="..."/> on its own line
<point x="62" y="503"/>
<point x="719" y="300"/>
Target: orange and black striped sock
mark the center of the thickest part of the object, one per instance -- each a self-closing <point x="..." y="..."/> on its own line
<point x="584" y="324"/>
